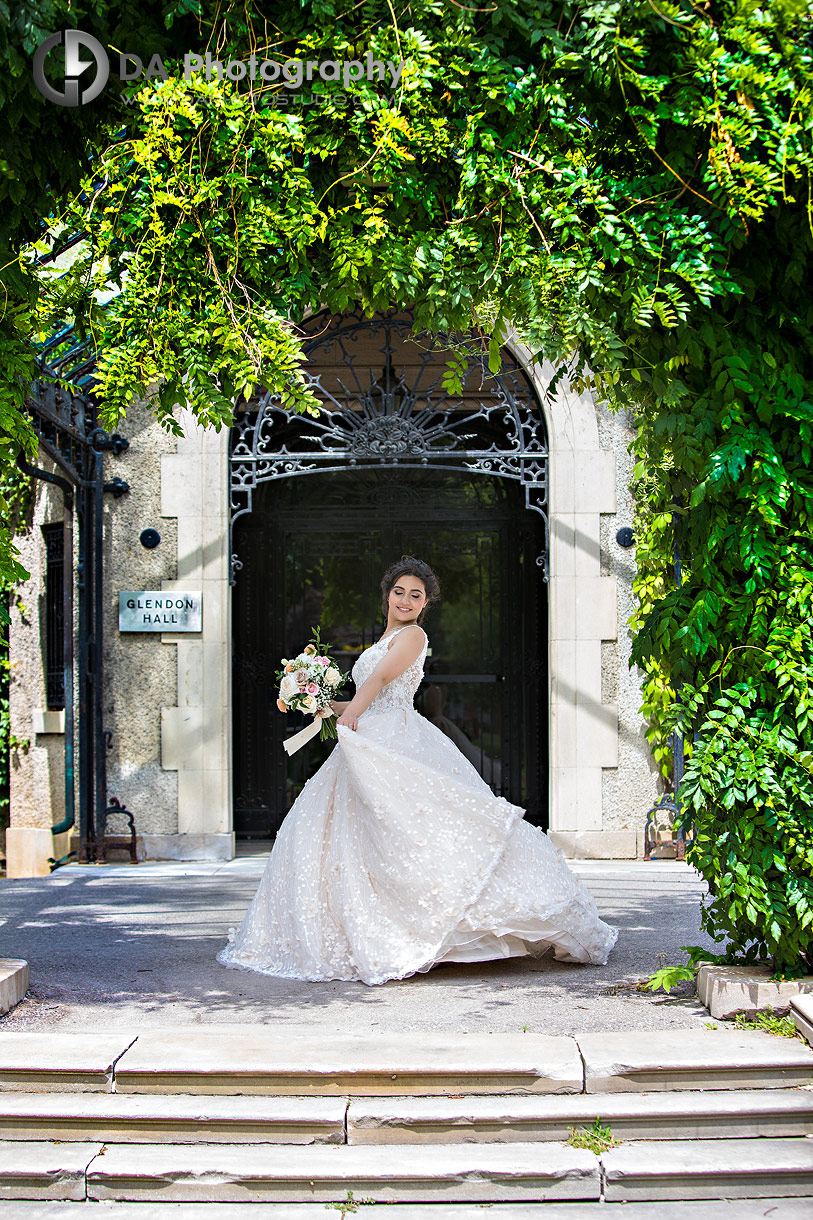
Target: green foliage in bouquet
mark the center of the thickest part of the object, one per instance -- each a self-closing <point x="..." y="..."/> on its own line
<point x="315" y="648"/>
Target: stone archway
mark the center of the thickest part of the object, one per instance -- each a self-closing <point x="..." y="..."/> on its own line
<point x="386" y="411"/>
<point x="583" y="614"/>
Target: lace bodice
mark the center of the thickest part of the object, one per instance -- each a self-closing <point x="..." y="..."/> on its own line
<point x="398" y="693"/>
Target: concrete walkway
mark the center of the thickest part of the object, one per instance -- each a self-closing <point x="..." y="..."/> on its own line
<point x="119" y="944"/>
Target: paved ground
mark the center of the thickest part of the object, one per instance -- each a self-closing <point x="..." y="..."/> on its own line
<point x="135" y="945"/>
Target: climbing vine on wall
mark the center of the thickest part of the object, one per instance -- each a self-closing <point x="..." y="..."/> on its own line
<point x="15" y="498"/>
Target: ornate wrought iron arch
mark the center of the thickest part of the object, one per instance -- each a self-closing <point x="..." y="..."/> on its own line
<point x="404" y="417"/>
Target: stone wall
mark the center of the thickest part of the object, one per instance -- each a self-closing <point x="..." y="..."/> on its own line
<point x="37" y="772"/>
<point x="140" y="670"/>
<point x="628" y="790"/>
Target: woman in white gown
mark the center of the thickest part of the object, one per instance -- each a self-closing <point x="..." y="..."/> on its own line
<point x="396" y="855"/>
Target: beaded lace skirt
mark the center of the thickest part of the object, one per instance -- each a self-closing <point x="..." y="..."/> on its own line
<point x="396" y="855"/>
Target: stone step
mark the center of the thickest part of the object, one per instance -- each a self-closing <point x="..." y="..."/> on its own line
<point x="486" y="1173"/>
<point x="79" y="1063"/>
<point x="471" y="1063"/>
<point x="260" y="1062"/>
<point x="709" y="1169"/>
<point x="724" y="1113"/>
<point x="735" y="1209"/>
<point x="164" y="1118"/>
<point x="693" y="1059"/>
<point x="124" y="1118"/>
<point x="265" y="1063"/>
<point x="116" y="1118"/>
<point x="45" y="1171"/>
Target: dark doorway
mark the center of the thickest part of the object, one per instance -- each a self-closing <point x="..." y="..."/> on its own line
<point x="312" y="552"/>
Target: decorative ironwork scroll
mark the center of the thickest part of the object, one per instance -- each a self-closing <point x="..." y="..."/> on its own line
<point x="400" y="416"/>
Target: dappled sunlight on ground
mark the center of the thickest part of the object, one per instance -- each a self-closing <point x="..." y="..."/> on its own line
<point x="135" y="946"/>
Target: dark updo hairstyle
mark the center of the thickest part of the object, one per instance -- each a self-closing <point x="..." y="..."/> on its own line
<point x="408" y="565"/>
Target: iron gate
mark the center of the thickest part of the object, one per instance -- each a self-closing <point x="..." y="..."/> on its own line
<point x="405" y="467"/>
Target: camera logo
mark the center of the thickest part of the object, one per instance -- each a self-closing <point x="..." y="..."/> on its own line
<point x="75" y="41"/>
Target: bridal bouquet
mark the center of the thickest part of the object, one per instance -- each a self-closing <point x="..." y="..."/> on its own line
<point x="307" y="684"/>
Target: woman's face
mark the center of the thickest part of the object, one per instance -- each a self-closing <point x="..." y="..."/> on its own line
<point x="407" y="599"/>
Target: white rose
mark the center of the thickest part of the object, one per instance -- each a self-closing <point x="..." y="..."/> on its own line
<point x="289" y="686"/>
<point x="308" y="704"/>
<point x="333" y="676"/>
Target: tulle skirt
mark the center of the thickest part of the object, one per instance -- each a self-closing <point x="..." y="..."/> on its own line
<point x="395" y="856"/>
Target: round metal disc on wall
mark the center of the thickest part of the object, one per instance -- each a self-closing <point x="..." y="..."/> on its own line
<point x="149" y="539"/>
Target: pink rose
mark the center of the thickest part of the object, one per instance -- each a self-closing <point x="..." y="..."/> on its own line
<point x="312" y="688"/>
<point x="325" y="661"/>
<point x="301" y="676"/>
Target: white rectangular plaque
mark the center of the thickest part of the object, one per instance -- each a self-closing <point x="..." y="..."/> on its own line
<point x="154" y="610"/>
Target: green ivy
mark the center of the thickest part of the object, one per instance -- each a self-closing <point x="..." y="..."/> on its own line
<point x="16" y="500"/>
<point x="748" y="790"/>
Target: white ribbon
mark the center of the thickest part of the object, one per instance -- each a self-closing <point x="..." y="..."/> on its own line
<point x="292" y="744"/>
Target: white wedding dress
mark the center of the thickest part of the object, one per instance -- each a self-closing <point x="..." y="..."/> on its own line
<point x="396" y="855"/>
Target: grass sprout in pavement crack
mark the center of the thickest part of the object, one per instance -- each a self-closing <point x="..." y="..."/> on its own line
<point x="663" y="976"/>
<point x="596" y="1139"/>
<point x="350" y="1204"/>
<point x="767" y="1020"/>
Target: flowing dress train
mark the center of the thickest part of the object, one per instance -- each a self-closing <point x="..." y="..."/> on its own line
<point x="396" y="855"/>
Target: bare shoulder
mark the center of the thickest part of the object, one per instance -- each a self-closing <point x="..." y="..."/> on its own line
<point x="413" y="631"/>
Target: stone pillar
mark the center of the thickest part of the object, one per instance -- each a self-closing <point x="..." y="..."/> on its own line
<point x="196" y="733"/>
<point x="583" y="620"/>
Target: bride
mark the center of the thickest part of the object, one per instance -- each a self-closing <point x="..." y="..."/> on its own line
<point x="397" y="855"/>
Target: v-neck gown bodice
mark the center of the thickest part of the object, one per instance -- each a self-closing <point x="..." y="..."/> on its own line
<point x="396" y="855"/>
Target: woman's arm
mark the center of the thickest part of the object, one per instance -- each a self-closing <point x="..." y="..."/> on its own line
<point x="402" y="653"/>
